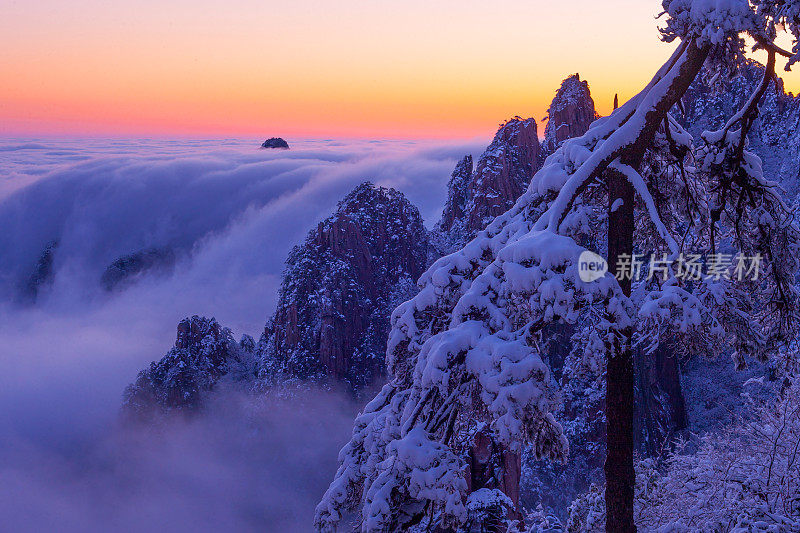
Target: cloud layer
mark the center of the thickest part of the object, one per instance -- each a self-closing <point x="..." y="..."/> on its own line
<point x="243" y="466"/>
<point x="231" y="212"/>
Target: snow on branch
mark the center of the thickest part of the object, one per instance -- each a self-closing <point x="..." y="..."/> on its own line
<point x="471" y="346"/>
<point x="640" y="187"/>
<point x="709" y="21"/>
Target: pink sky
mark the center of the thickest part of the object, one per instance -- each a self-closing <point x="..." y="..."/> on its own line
<point x="363" y="68"/>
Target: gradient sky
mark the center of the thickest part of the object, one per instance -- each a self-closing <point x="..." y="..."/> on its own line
<point x="354" y="68"/>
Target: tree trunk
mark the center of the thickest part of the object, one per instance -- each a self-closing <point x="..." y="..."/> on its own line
<point x="620" y="477"/>
<point x="493" y="466"/>
<point x="512" y="472"/>
<point x="660" y="406"/>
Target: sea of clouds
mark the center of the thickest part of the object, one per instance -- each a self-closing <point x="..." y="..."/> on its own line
<point x="231" y="212"/>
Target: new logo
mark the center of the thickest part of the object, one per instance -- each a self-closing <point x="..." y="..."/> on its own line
<point x="591" y="266"/>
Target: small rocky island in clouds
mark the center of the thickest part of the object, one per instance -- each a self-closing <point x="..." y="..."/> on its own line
<point x="275" y="142"/>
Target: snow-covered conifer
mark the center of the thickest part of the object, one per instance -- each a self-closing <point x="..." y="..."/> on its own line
<point x="470" y="348"/>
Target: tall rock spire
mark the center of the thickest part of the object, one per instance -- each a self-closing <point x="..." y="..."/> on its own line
<point x="570" y="113"/>
<point x="501" y="175"/>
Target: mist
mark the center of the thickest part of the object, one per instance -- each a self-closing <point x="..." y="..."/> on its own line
<point x="230" y="212"/>
<point x="244" y="465"/>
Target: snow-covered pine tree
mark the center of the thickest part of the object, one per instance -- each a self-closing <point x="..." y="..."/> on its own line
<point x="467" y="353"/>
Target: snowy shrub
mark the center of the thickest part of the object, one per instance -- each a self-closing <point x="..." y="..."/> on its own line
<point x="487" y="508"/>
<point x="747" y="474"/>
<point x="587" y="514"/>
<point x="744" y="478"/>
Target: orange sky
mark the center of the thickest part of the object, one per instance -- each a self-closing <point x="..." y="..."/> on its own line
<point x="362" y="68"/>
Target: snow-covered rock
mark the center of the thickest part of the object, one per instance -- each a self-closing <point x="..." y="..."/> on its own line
<point x="340" y="287"/>
<point x="204" y="353"/>
<point x="570" y="113"/>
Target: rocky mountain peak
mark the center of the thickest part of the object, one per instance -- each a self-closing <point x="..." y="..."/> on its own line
<point x="206" y="335"/>
<point x="275" y="142"/>
<point x="340" y="286"/>
<point x="570" y="113"/>
<point x="501" y="175"/>
<point x="203" y="353"/>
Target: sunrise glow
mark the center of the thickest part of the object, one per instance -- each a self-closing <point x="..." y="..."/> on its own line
<point x="311" y="68"/>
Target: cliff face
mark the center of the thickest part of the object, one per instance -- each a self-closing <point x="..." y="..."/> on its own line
<point x="570" y="113"/>
<point x="341" y="285"/>
<point x="126" y="269"/>
<point x="503" y="172"/>
<point x="458" y="197"/>
<point x="42" y="275"/>
<point x="204" y="352"/>
<point x="501" y="175"/>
